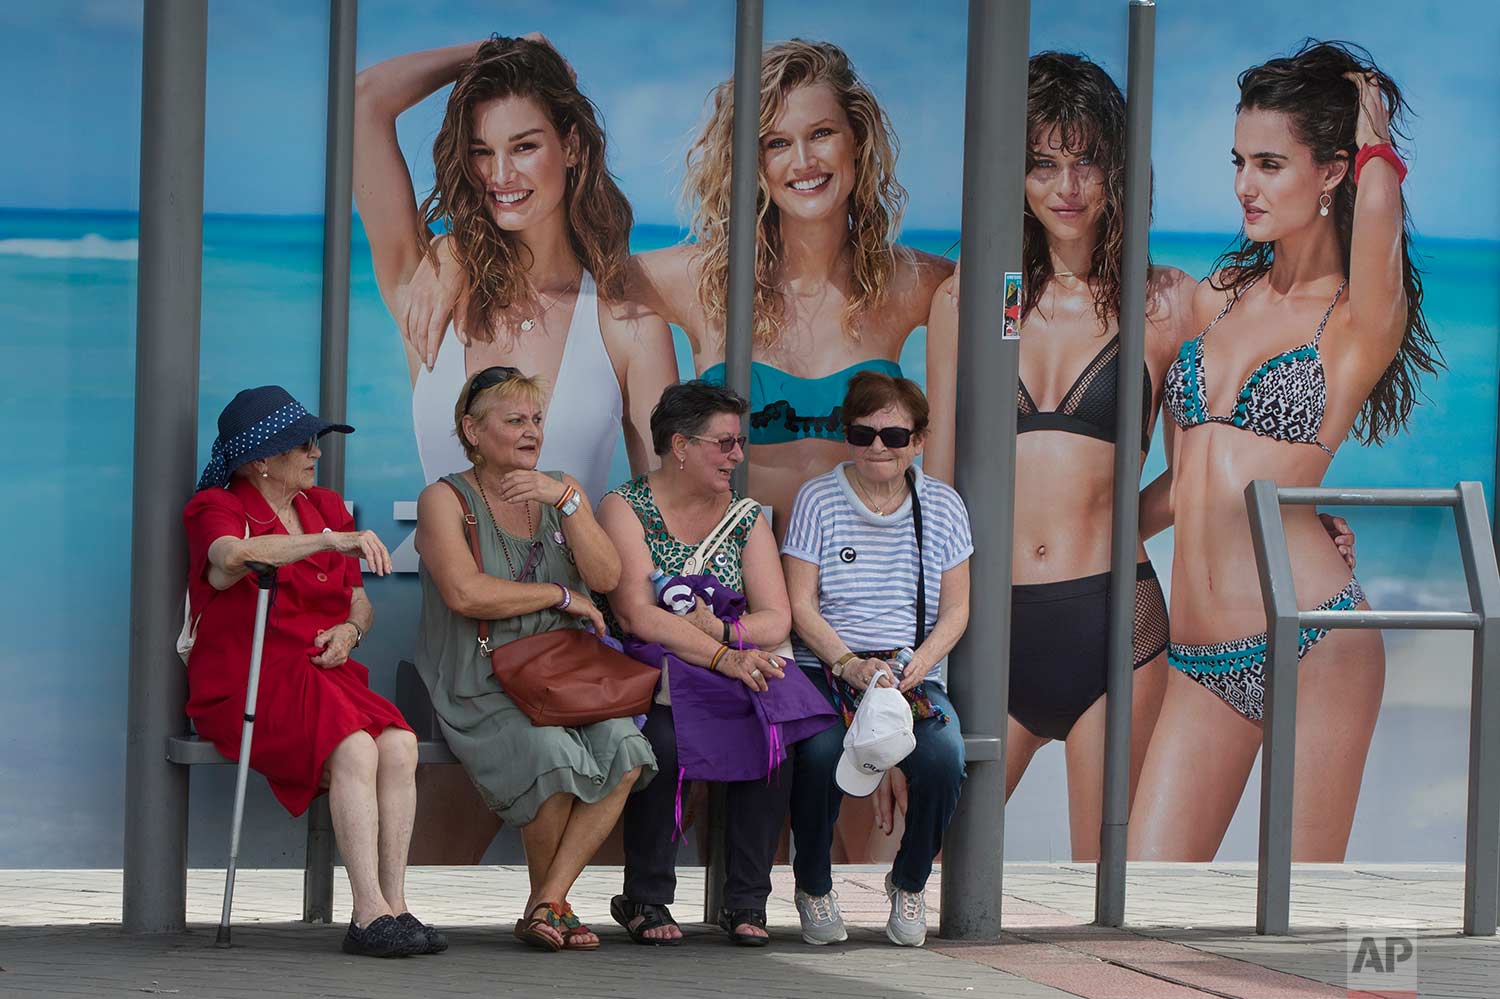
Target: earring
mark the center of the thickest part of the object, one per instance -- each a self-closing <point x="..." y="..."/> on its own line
<point x="1324" y="202"/>
<point x="681" y="463"/>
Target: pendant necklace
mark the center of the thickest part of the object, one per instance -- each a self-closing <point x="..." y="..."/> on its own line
<point x="495" y="524"/>
<point x="870" y="499"/>
<point x="527" y="325"/>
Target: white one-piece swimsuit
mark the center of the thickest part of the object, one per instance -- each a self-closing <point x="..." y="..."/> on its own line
<point x="581" y="426"/>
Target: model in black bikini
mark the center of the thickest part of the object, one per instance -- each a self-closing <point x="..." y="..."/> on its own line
<point x="1066" y="427"/>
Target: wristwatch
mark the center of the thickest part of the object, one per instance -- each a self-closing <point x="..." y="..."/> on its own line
<point x="841" y="662"/>
<point x="570" y="504"/>
<point x="359" y="634"/>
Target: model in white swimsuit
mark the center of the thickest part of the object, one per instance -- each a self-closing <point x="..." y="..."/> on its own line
<point x="582" y="424"/>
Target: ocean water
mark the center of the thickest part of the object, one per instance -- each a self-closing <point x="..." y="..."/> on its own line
<point x="67" y="309"/>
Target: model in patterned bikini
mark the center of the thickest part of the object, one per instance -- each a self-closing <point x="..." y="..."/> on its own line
<point x="1312" y="327"/>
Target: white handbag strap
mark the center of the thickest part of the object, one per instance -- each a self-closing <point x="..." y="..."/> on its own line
<point x="716" y="538"/>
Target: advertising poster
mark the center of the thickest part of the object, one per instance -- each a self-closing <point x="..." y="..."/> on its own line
<point x="657" y="141"/>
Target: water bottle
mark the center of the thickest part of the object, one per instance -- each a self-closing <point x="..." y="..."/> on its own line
<point x="659" y="581"/>
<point x="900" y="660"/>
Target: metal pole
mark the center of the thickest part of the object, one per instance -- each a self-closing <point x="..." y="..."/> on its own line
<point x="994" y="178"/>
<point x="1482" y="829"/>
<point x="1278" y="744"/>
<point x="169" y="296"/>
<point x="744" y="190"/>
<point x="1109" y="884"/>
<point x="333" y="396"/>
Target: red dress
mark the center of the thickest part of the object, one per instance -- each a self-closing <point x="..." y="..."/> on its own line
<point x="302" y="711"/>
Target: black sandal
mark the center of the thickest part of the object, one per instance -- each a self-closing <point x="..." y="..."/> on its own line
<point x="651" y="915"/>
<point x="730" y="918"/>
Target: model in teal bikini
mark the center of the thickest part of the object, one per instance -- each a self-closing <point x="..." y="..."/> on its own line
<point x="834" y="295"/>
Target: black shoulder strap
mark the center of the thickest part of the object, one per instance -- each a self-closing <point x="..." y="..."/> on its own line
<point x="916" y="525"/>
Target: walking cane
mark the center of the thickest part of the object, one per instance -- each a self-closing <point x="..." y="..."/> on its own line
<point x="265" y="580"/>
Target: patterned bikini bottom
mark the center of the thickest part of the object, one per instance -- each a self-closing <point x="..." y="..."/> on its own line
<point x="1236" y="670"/>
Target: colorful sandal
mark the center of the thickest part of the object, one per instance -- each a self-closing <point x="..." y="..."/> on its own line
<point x="651" y="917"/>
<point x="529" y="931"/>
<point x="574" y="929"/>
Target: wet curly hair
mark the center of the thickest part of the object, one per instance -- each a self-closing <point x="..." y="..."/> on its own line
<point x="875" y="204"/>
<point x="1322" y="104"/>
<point x="599" y="217"/>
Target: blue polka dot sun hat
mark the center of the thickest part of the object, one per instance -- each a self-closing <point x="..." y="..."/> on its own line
<point x="259" y="423"/>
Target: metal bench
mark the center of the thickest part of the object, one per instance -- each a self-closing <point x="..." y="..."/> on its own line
<point x="416" y="706"/>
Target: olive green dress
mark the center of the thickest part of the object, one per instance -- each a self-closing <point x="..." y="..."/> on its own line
<point x="517" y="765"/>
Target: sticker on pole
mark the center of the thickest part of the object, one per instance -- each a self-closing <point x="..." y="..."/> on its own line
<point x="1012" y="328"/>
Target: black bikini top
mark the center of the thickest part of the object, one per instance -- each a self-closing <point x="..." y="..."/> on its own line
<point x="1088" y="408"/>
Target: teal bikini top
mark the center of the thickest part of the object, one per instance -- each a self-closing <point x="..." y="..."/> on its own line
<point x="786" y="408"/>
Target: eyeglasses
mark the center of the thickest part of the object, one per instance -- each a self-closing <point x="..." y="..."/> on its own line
<point x="894" y="438"/>
<point x="499" y="374"/>
<point x="726" y="444"/>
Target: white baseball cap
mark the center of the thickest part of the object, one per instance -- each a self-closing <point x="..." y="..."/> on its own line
<point x="879" y="737"/>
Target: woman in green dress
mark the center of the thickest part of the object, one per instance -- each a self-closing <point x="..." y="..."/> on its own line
<point x="564" y="787"/>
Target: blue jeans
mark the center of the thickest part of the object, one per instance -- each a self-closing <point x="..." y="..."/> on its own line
<point x="934" y="773"/>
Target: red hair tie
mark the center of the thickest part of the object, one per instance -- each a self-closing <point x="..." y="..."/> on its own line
<point x="1381" y="150"/>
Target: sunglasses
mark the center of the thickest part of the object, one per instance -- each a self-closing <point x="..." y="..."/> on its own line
<point x="726" y="444"/>
<point x="499" y="374"/>
<point x="894" y="438"/>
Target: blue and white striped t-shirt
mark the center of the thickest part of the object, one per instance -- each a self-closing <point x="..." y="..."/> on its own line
<point x="867" y="578"/>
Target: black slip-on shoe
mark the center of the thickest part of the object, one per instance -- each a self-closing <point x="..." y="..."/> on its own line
<point x="384" y="937"/>
<point x="435" y="942"/>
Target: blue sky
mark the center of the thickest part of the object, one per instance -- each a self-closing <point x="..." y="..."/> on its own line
<point x="75" y="64"/>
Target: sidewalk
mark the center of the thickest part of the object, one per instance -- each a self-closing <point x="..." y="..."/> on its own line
<point x="1191" y="935"/>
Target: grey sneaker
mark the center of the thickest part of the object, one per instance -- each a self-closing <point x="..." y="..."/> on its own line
<point x="907" y="926"/>
<point x="822" y="923"/>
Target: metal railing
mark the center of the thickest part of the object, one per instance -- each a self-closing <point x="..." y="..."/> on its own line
<point x="1283" y="621"/>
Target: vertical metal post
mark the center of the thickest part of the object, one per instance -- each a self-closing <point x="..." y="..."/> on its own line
<point x="744" y="189"/>
<point x="994" y="179"/>
<point x="333" y="395"/>
<point x="1109" y="884"/>
<point x="1482" y="829"/>
<point x="1278" y="746"/>
<point x="169" y="297"/>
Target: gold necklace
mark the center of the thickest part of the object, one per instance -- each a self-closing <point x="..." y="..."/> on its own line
<point x="869" y="499"/>
<point x="527" y="325"/>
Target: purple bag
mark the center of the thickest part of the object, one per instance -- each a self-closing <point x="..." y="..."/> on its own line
<point x="725" y="731"/>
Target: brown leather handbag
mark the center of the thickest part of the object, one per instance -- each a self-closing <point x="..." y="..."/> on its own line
<point x="565" y="676"/>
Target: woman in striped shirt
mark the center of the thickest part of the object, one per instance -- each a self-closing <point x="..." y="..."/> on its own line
<point x="876" y="559"/>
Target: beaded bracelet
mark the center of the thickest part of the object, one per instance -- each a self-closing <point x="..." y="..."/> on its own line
<point x="567" y="597"/>
<point x="1379" y="150"/>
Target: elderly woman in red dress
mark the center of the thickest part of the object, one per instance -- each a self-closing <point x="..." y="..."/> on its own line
<point x="319" y="726"/>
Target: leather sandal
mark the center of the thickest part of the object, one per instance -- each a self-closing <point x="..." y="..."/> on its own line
<point x="529" y="931"/>
<point x="730" y="918"/>
<point x="651" y="915"/>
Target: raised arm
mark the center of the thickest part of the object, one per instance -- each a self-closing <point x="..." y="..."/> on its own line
<point x="383" y="189"/>
<point x="464" y="587"/>
<point x="1377" y="292"/>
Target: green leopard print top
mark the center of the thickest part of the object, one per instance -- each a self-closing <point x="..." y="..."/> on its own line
<point x="670" y="554"/>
